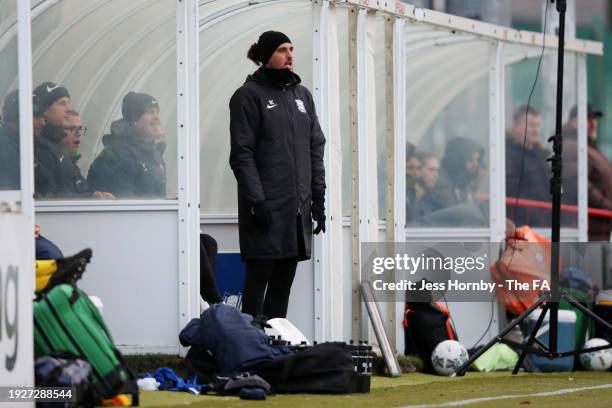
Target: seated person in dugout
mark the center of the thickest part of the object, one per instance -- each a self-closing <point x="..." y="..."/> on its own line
<point x="527" y="171"/>
<point x="9" y="138"/>
<point x="429" y="173"/>
<point x="452" y="200"/>
<point x="132" y="163"/>
<point x="413" y="190"/>
<point x="71" y="143"/>
<point x="599" y="172"/>
<point x="56" y="174"/>
<point x="9" y="143"/>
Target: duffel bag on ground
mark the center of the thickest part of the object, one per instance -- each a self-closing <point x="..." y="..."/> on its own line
<point x="65" y="320"/>
<point x="324" y="368"/>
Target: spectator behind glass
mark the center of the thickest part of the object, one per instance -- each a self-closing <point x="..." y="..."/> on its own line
<point x="52" y="178"/>
<point x="451" y="201"/>
<point x="429" y="172"/>
<point x="9" y="143"/>
<point x="412" y="166"/>
<point x="71" y="142"/>
<point x="535" y="175"/>
<point x="132" y="163"/>
<point x="599" y="172"/>
<point x="38" y="119"/>
<point x="74" y="130"/>
<point x="56" y="175"/>
<point x="412" y="188"/>
<point x="9" y="139"/>
<point x="460" y="167"/>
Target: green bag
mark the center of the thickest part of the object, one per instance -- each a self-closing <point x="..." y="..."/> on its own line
<point x="65" y="320"/>
<point x="498" y="358"/>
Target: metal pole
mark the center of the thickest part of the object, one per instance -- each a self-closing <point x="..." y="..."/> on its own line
<point x="556" y="185"/>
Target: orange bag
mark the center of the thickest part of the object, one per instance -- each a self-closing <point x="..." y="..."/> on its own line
<point x="525" y="258"/>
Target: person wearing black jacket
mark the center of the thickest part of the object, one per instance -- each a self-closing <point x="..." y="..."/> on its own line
<point x="132" y="163"/>
<point x="276" y="155"/>
<point x="527" y="169"/>
<point x="56" y="175"/>
<point x="9" y="143"/>
<point x="10" y="138"/>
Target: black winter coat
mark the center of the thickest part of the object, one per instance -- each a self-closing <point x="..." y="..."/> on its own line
<point x="56" y="174"/>
<point x="129" y="167"/>
<point x="9" y="159"/>
<point x="536" y="172"/>
<point x="276" y="154"/>
<point x="534" y="183"/>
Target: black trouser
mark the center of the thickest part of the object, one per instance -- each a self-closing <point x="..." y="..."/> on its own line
<point x="208" y="267"/>
<point x="277" y="276"/>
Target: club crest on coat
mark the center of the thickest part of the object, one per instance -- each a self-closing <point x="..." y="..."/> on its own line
<point x="300" y="105"/>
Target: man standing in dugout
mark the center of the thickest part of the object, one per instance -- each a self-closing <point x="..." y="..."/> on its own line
<point x="276" y="154"/>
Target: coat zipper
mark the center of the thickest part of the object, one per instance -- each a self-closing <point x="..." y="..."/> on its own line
<point x="299" y="212"/>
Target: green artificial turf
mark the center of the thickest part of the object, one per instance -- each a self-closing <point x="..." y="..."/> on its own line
<point x="417" y="389"/>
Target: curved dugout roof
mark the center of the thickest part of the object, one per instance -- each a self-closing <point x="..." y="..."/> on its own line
<point x="101" y="49"/>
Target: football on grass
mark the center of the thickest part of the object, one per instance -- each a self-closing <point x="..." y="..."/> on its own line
<point x="448" y="356"/>
<point x="596" y="360"/>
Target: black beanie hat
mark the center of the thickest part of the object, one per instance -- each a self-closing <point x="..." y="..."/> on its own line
<point x="47" y="94"/>
<point x="10" y="107"/>
<point x="268" y="43"/>
<point x="136" y="104"/>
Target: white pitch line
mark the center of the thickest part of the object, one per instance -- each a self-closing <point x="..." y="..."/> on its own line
<point x="502" y="397"/>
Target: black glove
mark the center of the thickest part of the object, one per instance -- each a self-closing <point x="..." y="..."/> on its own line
<point x="318" y="214"/>
<point x="260" y="211"/>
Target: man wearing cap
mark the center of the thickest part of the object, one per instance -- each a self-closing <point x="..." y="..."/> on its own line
<point x="55" y="175"/>
<point x="277" y="157"/>
<point x="132" y="163"/>
<point x="599" y="171"/>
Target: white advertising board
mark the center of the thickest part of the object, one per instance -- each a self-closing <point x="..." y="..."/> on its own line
<point x="16" y="289"/>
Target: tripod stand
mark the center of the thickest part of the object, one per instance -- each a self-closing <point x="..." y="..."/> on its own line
<point x="550" y="300"/>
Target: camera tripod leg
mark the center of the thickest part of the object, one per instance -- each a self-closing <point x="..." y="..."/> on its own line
<point x="587" y="311"/>
<point x="461" y="370"/>
<point x="531" y="340"/>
